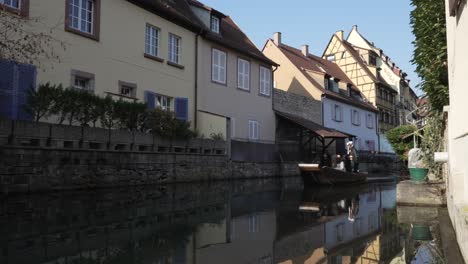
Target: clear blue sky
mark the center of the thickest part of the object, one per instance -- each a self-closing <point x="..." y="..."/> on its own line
<point x="386" y="23"/>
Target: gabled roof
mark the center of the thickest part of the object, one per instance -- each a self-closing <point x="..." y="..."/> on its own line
<point x="230" y="36"/>
<point x="207" y="8"/>
<point x="350" y="48"/>
<point x="233" y="37"/>
<point x="315" y="128"/>
<point x="396" y="70"/>
<point x="176" y="11"/>
<point x="316" y="64"/>
<point x="180" y="13"/>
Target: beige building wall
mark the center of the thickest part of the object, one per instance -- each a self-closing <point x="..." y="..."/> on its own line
<point x="288" y="77"/>
<point x="228" y="101"/>
<point x="118" y="55"/>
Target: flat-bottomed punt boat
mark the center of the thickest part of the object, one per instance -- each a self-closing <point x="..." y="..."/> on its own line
<point x="313" y="174"/>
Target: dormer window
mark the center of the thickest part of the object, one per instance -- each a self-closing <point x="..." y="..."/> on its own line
<point x="372" y="60"/>
<point x="215" y="24"/>
<point x="331" y="84"/>
<point x="331" y="58"/>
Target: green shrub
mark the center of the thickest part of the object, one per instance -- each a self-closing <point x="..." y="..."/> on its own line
<point x="432" y="141"/>
<point x="41" y="101"/>
<point x="217" y="136"/>
<point x="163" y="123"/>
<point x="400" y="144"/>
<point x="84" y="108"/>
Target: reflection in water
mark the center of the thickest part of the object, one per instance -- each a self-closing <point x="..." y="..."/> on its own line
<point x="238" y="222"/>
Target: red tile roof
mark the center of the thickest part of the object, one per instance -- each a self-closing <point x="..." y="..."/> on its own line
<point x="176" y="11"/>
<point x="314" y="63"/>
<point x="180" y="13"/>
<point x="231" y="36"/>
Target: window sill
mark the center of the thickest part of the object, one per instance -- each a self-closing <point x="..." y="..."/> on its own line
<point x="247" y="90"/>
<point x="264" y="95"/>
<point x="83" y="34"/>
<point x="151" y="57"/>
<point x="219" y="83"/>
<point x="173" y="64"/>
<point x="123" y="96"/>
<point x="12" y="10"/>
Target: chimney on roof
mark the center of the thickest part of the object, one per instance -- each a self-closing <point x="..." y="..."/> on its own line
<point x="355" y="27"/>
<point x="340" y="34"/>
<point x="305" y="50"/>
<point x="277" y="38"/>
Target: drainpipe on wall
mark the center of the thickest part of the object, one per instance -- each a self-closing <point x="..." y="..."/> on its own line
<point x="195" y="119"/>
<point x="322" y="107"/>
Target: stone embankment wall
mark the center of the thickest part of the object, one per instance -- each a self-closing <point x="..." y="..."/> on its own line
<point x="38" y="157"/>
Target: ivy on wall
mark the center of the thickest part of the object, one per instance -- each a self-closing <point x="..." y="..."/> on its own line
<point x="430" y="54"/>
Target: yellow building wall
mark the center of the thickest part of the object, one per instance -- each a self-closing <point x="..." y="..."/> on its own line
<point x="118" y="55"/>
<point x="209" y="124"/>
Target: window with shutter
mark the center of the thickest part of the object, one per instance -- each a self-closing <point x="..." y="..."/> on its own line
<point x="11" y="3"/>
<point x="150" y="100"/>
<point x="265" y="81"/>
<point x="218" y="67"/>
<point x="15" y="82"/>
<point x="243" y="74"/>
<point x="253" y="130"/>
<point x="152" y="40"/>
<point x="174" y="48"/>
<point x="82" y="17"/>
<point x="355" y="117"/>
<point x="337" y="113"/>
<point x="181" y="108"/>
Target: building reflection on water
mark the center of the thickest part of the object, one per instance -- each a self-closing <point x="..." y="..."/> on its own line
<point x="241" y="222"/>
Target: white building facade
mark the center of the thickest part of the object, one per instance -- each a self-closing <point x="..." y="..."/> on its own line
<point x="457" y="138"/>
<point x="358" y="122"/>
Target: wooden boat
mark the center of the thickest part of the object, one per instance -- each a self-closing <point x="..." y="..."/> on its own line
<point x="312" y="175"/>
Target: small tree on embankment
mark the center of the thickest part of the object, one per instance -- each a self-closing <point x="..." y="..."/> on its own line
<point x="401" y="143"/>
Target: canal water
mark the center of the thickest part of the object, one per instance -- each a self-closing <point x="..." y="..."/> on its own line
<point x="256" y="221"/>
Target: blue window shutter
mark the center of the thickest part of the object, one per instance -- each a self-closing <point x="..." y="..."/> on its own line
<point x="27" y="78"/>
<point x="181" y="108"/>
<point x="7" y="75"/>
<point x="6" y="104"/>
<point x="149" y="99"/>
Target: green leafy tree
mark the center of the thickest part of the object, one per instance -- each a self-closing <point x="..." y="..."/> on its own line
<point x="130" y="115"/>
<point x="108" y="116"/>
<point x="40" y="101"/>
<point x="67" y="105"/>
<point x="399" y="140"/>
<point x="86" y="104"/>
<point x="430" y="54"/>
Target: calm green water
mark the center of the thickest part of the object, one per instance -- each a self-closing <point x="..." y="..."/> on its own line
<point x="258" y="221"/>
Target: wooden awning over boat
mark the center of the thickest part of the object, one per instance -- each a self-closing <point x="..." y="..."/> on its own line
<point x="313" y="127"/>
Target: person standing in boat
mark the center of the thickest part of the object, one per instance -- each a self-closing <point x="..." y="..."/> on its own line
<point x="353" y="156"/>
